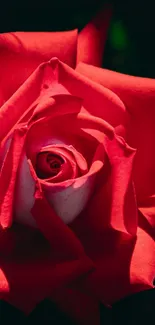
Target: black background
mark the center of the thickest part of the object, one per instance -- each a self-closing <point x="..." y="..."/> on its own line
<point x="135" y="310"/>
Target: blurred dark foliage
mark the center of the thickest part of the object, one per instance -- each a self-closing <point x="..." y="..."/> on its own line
<point x="130" y="46"/>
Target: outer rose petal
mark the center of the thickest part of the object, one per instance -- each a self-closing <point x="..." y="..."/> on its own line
<point x="138" y="95"/>
<point x="22" y="100"/>
<point x="82" y="308"/>
<point x="148" y="210"/>
<point x="22" y="52"/>
<point x="124" y="264"/>
<point x="38" y="275"/>
<point x="92" y="38"/>
<point x="144" y="256"/>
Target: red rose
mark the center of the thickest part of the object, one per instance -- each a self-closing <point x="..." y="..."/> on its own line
<point x="77" y="175"/>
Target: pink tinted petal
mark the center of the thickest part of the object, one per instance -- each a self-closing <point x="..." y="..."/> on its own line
<point x="55" y="231"/>
<point x="22" y="52"/>
<point x="4" y="147"/>
<point x="70" y="198"/>
<point x="92" y="38"/>
<point x="24" y="194"/>
<point x="69" y="202"/>
<point x="8" y="177"/>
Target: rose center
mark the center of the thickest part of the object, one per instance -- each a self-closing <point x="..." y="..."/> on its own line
<point x="55" y="162"/>
<point x="48" y="164"/>
<point x="54" y="165"/>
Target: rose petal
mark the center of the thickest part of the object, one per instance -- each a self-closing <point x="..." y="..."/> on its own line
<point x="68" y="203"/>
<point x="80" y="160"/>
<point x="21" y="102"/>
<point x="113" y="203"/>
<point x="123" y="199"/>
<point x="68" y="198"/>
<point x="59" y="236"/>
<point x="82" y="308"/>
<point x="60" y="199"/>
<point x="41" y="275"/>
<point x="92" y="38"/>
<point x="24" y="194"/>
<point x="74" y="163"/>
<point x="148" y="210"/>
<point x="48" y="130"/>
<point x="142" y="268"/>
<point x="22" y="52"/>
<point x="124" y="264"/>
<point x="97" y="100"/>
<point x="8" y="176"/>
<point x="67" y="170"/>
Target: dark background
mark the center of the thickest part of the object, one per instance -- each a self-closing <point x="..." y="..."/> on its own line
<point x="130" y="46"/>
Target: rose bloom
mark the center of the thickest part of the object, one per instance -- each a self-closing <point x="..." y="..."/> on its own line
<point x="77" y="174"/>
